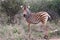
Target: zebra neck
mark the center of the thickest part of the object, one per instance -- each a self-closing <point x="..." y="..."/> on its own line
<point x="28" y="11"/>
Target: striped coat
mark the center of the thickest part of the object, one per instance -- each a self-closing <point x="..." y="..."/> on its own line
<point x="35" y="18"/>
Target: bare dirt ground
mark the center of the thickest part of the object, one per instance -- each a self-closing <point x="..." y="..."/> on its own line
<point x="52" y="39"/>
<point x="55" y="39"/>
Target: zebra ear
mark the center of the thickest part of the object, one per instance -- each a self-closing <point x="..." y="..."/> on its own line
<point x="28" y="6"/>
<point x="21" y="6"/>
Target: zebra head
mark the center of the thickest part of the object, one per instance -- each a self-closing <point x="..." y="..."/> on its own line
<point x="26" y="10"/>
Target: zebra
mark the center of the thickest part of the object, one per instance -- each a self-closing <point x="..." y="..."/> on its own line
<point x="35" y="18"/>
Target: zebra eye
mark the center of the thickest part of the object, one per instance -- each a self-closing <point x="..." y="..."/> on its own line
<point x="28" y="6"/>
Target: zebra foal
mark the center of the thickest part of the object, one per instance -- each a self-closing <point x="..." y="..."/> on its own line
<point x="35" y="18"/>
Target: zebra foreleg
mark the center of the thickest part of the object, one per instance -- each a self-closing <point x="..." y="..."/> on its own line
<point x="29" y="31"/>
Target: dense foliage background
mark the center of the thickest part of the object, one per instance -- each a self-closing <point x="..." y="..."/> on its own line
<point x="12" y="7"/>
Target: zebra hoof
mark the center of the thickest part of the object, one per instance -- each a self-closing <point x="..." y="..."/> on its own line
<point x="46" y="37"/>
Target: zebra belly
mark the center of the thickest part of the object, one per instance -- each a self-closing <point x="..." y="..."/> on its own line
<point x="33" y="20"/>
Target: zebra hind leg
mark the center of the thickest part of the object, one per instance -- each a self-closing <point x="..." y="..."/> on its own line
<point x="46" y="37"/>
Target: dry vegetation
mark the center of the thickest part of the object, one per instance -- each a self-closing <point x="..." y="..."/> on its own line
<point x="19" y="32"/>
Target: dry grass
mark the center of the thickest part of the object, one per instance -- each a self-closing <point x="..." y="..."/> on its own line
<point x="19" y="32"/>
